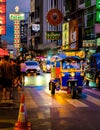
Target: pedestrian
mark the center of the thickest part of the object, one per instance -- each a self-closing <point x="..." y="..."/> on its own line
<point x="16" y="70"/>
<point x="22" y="71"/>
<point x="7" y="78"/>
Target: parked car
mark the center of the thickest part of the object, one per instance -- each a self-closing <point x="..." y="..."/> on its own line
<point x="33" y="67"/>
<point x="92" y="73"/>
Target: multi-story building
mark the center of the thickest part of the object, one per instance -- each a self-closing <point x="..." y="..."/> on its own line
<point x="85" y="11"/>
<point x="47" y="15"/>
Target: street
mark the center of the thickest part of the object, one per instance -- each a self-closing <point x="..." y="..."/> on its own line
<point x="56" y="112"/>
<point x="61" y="111"/>
<point x="49" y="64"/>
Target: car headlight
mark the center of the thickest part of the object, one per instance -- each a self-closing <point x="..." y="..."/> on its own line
<point x="38" y="68"/>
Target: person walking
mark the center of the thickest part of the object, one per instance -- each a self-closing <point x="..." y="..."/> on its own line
<point x="16" y="72"/>
<point x="7" y="77"/>
<point x="22" y="71"/>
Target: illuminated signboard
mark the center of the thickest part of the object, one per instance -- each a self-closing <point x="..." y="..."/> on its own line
<point x="97" y="28"/>
<point x="2" y="0"/>
<point x="17" y="16"/>
<point x="98" y="16"/>
<point x="17" y="33"/>
<point x="89" y="43"/>
<point x="2" y="19"/>
<point x="2" y="8"/>
<point x="53" y="35"/>
<point x="98" y="41"/>
<point x="36" y="27"/>
<point x="2" y="29"/>
<point x="73" y="35"/>
<point x="65" y="35"/>
<point x="97" y="4"/>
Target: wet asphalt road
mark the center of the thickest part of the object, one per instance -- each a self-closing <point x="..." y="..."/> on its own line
<point x="61" y="112"/>
<point x="54" y="112"/>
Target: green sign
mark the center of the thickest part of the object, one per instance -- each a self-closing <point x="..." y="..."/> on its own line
<point x="17" y="16"/>
<point x="98" y="16"/>
<point x="98" y="41"/>
<point x="97" y="4"/>
<point x="53" y="35"/>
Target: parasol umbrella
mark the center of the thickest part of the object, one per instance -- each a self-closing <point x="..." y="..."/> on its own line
<point x="6" y="53"/>
<point x="3" y="52"/>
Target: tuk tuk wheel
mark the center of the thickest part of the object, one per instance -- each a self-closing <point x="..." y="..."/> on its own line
<point x="53" y="88"/>
<point x="73" y="93"/>
<point x="50" y="85"/>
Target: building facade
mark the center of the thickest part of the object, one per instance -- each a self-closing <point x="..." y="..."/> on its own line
<point x="45" y="14"/>
<point x="49" y="15"/>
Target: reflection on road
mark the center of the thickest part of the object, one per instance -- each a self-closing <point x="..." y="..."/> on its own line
<point x="39" y="80"/>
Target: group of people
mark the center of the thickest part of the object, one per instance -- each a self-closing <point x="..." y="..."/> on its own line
<point x="10" y="76"/>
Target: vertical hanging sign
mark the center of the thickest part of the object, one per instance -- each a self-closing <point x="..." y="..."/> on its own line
<point x="98" y="11"/>
<point x="2" y="17"/>
<point x="17" y="17"/>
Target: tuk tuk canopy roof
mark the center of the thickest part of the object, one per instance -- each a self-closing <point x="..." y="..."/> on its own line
<point x="58" y="57"/>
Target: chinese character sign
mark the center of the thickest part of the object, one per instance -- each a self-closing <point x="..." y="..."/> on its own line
<point x="2" y="17"/>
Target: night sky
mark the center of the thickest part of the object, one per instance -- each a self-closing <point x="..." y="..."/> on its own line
<point x="24" y="6"/>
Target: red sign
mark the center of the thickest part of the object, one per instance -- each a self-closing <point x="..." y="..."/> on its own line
<point x="2" y="19"/>
<point x="2" y="8"/>
<point x="54" y="17"/>
<point x="2" y="29"/>
<point x="2" y="0"/>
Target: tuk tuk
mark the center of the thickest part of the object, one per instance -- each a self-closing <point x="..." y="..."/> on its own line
<point x="69" y="77"/>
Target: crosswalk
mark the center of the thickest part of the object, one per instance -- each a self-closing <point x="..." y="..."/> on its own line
<point x="60" y="103"/>
<point x="61" y="99"/>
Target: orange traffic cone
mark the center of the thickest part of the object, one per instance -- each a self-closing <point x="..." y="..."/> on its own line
<point x="22" y="123"/>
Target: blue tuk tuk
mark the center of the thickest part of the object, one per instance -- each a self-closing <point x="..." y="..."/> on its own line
<point x="70" y="77"/>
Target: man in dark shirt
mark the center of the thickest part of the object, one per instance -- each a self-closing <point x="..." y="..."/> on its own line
<point x="7" y="78"/>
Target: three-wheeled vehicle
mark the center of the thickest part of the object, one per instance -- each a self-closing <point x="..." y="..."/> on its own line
<point x="69" y="78"/>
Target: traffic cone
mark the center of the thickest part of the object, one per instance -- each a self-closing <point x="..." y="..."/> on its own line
<point x="22" y="123"/>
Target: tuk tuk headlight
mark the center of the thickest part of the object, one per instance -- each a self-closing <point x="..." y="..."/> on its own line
<point x="72" y="74"/>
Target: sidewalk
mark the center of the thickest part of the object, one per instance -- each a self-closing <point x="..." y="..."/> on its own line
<point x="9" y="110"/>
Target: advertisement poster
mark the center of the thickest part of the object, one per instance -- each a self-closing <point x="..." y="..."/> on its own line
<point x="73" y="35"/>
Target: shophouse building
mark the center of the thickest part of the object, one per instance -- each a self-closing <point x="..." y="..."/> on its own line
<point x="48" y="16"/>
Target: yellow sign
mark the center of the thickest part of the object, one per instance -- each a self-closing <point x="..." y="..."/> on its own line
<point x="81" y="54"/>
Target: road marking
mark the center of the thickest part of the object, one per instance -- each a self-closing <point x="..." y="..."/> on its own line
<point x="49" y="100"/>
<point x="40" y="115"/>
<point x="93" y="91"/>
<point x="76" y="103"/>
<point x="93" y="100"/>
